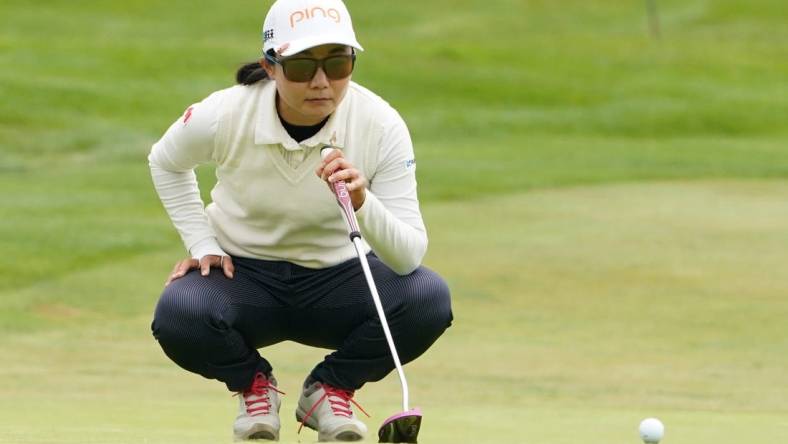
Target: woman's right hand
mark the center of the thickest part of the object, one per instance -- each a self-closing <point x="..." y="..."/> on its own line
<point x="204" y="264"/>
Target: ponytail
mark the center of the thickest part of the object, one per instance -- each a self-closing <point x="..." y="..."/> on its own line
<point x="251" y="73"/>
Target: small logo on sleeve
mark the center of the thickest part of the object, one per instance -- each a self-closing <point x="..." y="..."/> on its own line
<point x="187" y="115"/>
<point x="410" y="163"/>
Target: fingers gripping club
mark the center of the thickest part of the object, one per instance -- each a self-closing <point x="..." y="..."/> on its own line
<point x="343" y="198"/>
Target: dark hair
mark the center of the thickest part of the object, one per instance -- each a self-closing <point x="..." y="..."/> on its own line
<point x="252" y="73"/>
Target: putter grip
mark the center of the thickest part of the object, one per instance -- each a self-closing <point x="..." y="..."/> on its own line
<point x="343" y="198"/>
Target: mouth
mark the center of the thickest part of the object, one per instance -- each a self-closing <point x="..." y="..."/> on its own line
<point x="319" y="100"/>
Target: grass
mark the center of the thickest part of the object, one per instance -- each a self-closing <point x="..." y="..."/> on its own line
<point x="608" y="210"/>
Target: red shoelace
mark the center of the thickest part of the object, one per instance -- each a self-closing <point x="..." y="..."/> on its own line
<point x="260" y="386"/>
<point x="338" y="399"/>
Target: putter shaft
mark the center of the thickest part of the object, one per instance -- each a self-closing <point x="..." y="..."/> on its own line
<point x="382" y="315"/>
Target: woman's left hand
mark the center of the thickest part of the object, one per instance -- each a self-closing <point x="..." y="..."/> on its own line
<point x="335" y="167"/>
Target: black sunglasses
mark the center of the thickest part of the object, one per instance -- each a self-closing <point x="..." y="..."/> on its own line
<point x="303" y="69"/>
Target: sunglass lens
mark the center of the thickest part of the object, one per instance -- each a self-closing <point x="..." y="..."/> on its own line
<point x="338" y="67"/>
<point x="300" y="70"/>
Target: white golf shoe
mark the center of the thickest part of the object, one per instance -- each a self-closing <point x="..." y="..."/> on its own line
<point x="258" y="416"/>
<point x="327" y="410"/>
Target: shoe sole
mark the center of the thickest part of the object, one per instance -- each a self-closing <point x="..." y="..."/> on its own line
<point x="260" y="432"/>
<point x="338" y="435"/>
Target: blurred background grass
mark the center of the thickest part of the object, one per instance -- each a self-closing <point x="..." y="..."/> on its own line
<point x="609" y="209"/>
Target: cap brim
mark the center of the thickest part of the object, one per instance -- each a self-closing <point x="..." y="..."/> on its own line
<point x="297" y="46"/>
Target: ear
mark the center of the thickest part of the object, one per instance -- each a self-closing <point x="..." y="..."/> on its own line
<point x="268" y="67"/>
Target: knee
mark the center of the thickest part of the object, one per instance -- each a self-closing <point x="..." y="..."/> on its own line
<point x="429" y="301"/>
<point x="179" y="309"/>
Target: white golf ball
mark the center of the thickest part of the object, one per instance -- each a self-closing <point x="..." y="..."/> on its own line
<point x="651" y="430"/>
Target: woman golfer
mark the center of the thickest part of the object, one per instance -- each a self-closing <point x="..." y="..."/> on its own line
<point x="270" y="259"/>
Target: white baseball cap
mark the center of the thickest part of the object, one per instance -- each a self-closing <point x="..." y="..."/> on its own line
<point x="292" y="26"/>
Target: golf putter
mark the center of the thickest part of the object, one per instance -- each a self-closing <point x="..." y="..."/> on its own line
<point x="404" y="426"/>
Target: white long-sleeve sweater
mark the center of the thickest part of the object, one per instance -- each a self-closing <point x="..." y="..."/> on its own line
<point x="267" y="202"/>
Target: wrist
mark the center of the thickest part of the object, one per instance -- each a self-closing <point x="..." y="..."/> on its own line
<point x="357" y="198"/>
<point x="205" y="247"/>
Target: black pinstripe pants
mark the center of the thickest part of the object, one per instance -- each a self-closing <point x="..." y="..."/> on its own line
<point x="213" y="325"/>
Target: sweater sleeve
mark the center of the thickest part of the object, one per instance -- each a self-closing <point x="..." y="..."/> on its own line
<point x="187" y="143"/>
<point x="390" y="217"/>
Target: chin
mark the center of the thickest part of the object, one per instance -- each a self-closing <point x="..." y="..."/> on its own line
<point x="319" y="110"/>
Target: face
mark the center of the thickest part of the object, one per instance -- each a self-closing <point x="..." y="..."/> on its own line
<point x="308" y="103"/>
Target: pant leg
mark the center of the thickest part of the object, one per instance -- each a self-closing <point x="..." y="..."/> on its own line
<point x="206" y="325"/>
<point x="342" y="316"/>
<point x="213" y="325"/>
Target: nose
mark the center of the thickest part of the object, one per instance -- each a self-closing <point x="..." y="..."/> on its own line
<point x="320" y="80"/>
